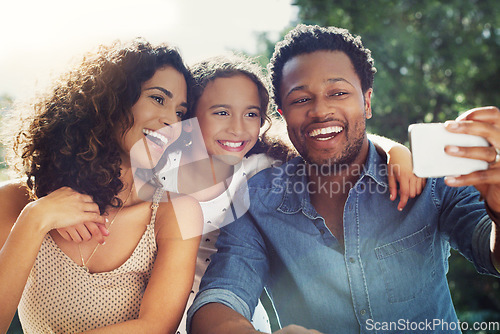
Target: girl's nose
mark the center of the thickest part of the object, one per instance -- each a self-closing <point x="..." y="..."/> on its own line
<point x="236" y="126"/>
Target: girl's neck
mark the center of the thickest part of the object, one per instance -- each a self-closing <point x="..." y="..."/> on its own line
<point x="205" y="178"/>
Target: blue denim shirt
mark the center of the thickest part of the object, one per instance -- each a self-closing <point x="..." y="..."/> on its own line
<point x="390" y="275"/>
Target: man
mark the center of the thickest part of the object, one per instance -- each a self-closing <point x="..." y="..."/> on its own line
<point x="321" y="234"/>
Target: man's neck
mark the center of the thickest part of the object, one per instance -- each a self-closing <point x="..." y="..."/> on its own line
<point x="329" y="191"/>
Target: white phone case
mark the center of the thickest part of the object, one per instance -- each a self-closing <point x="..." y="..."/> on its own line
<point x="427" y="142"/>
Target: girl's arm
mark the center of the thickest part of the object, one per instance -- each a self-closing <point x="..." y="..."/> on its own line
<point x="23" y="226"/>
<point x="171" y="281"/>
<point x="400" y="170"/>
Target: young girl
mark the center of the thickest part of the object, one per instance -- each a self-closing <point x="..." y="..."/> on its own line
<point x="230" y="103"/>
<point x="75" y="150"/>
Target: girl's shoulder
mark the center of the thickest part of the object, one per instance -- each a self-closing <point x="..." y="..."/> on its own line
<point x="260" y="161"/>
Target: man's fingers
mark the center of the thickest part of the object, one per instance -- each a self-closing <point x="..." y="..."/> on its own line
<point x="488" y="176"/>
<point x="484" y="114"/>
<point x="487" y="154"/>
<point x="486" y="130"/>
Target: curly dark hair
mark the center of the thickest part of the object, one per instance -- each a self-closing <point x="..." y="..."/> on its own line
<point x="310" y="38"/>
<point x="68" y="138"/>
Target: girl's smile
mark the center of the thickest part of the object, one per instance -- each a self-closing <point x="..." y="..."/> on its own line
<point x="229" y="115"/>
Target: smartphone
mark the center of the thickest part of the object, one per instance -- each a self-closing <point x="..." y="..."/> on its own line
<point x="427" y="142"/>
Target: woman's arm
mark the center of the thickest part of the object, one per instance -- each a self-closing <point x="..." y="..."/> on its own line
<point x="22" y="229"/>
<point x="400" y="170"/>
<point x="171" y="281"/>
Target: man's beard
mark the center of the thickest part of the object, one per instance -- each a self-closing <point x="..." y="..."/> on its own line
<point x="333" y="165"/>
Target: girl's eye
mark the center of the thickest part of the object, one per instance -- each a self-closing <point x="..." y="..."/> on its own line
<point x="221" y="113"/>
<point x="252" y="114"/>
<point x="158" y="99"/>
<point x="180" y="114"/>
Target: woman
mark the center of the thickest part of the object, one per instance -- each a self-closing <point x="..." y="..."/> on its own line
<point x="75" y="149"/>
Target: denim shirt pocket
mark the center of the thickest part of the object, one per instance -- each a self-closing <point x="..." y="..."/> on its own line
<point x="407" y="265"/>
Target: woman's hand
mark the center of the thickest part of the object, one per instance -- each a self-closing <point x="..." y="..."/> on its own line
<point x="400" y="171"/>
<point x="62" y="208"/>
<point x="84" y="232"/>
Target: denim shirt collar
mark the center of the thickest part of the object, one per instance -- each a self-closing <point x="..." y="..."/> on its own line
<point x="294" y="201"/>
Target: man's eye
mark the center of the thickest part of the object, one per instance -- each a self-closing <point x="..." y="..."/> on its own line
<point x="302" y="100"/>
<point x="158" y="99"/>
<point x="338" y="94"/>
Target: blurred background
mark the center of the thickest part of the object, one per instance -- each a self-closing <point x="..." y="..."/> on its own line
<point x="435" y="59"/>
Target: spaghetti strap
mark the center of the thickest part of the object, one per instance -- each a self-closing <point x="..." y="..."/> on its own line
<point x="156" y="202"/>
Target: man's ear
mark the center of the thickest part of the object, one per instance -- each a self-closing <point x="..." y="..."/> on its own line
<point x="368" y="103"/>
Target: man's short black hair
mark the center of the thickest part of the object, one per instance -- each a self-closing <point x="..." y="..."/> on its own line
<point x="307" y="39"/>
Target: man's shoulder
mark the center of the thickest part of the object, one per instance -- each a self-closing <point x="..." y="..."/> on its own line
<point x="275" y="176"/>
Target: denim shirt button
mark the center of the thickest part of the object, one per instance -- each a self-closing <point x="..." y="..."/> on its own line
<point x="362" y="312"/>
<point x="352" y="260"/>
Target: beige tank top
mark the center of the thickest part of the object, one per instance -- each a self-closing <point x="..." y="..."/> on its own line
<point x="62" y="297"/>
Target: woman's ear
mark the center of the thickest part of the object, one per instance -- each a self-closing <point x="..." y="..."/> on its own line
<point x="187" y="125"/>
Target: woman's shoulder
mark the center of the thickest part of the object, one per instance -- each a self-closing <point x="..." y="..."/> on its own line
<point x="179" y="216"/>
<point x="14" y="196"/>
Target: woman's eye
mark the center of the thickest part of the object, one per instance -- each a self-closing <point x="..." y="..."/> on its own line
<point x="158" y="99"/>
<point x="180" y="114"/>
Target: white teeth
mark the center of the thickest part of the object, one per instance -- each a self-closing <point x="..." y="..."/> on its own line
<point x="324" y="131"/>
<point x="157" y="135"/>
<point x="231" y="144"/>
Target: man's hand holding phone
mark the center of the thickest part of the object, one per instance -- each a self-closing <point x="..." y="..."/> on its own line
<point x="439" y="150"/>
<point x="484" y="122"/>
